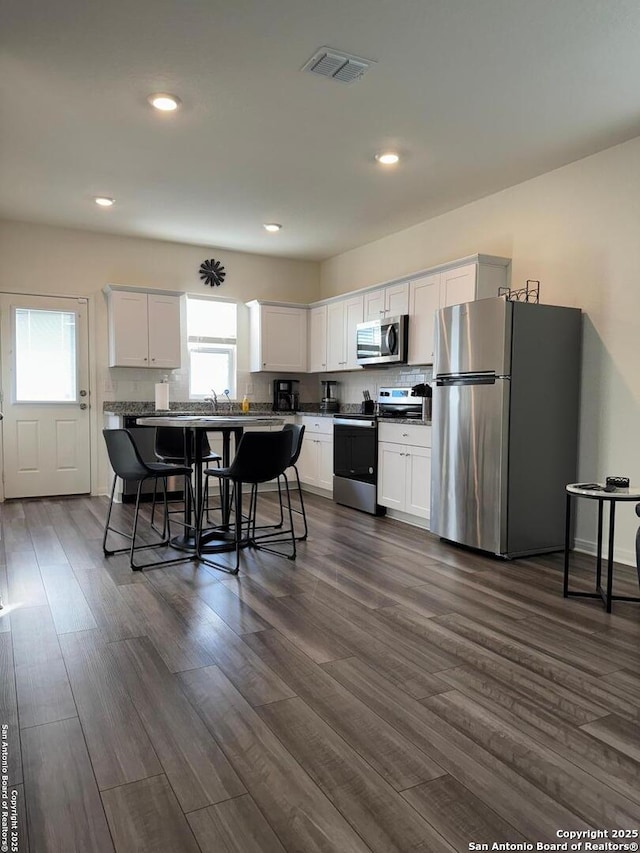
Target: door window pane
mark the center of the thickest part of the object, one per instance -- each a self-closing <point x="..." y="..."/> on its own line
<point x="45" y="356"/>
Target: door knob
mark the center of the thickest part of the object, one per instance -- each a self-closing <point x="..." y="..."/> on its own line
<point x="84" y="406"/>
<point x="83" y="393"/>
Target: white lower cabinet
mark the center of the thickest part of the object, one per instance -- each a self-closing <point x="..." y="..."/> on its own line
<point x="315" y="464"/>
<point x="404" y="468"/>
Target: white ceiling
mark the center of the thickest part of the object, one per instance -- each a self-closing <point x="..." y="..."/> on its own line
<point x="476" y="95"/>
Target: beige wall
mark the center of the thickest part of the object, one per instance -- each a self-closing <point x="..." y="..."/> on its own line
<point x="44" y="259"/>
<point x="576" y="230"/>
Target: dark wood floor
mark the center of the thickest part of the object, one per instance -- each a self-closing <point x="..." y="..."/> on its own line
<point x="383" y="693"/>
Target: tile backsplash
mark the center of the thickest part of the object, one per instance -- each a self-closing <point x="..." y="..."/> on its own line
<point x="128" y="383"/>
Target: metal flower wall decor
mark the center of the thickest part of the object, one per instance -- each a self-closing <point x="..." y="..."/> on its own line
<point x="212" y="273"/>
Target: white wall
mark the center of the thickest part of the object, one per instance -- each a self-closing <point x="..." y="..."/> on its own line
<point x="577" y="230"/>
<point x="49" y="260"/>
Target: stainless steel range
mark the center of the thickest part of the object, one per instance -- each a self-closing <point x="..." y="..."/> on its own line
<point x="399" y="403"/>
<point x="355" y="462"/>
<point x="355" y="449"/>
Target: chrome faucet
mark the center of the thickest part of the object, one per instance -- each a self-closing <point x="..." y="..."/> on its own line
<point x="213" y="399"/>
<point x="229" y="403"/>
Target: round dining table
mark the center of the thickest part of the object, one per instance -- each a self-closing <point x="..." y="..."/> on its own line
<point x="218" y="539"/>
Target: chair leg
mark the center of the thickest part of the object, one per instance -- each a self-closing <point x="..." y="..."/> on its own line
<point x="265" y="540"/>
<point x="108" y="521"/>
<point x="135" y="526"/>
<point x="302" y="511"/>
<point x="132" y="548"/>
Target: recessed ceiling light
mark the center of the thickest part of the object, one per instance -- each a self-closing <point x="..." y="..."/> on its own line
<point x="271" y="226"/>
<point x="164" y="102"/>
<point x="388" y="158"/>
<point x="104" y="201"/>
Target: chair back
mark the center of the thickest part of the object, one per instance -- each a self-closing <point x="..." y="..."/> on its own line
<point x="123" y="455"/>
<point x="261" y="456"/>
<point x="171" y="443"/>
<point x="297" y="434"/>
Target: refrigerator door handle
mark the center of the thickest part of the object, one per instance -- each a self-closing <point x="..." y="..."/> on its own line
<point x="485" y="378"/>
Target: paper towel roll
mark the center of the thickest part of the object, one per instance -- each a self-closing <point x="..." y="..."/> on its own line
<point x="162" y="396"/>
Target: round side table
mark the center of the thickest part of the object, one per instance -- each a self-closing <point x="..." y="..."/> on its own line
<point x="597" y="492"/>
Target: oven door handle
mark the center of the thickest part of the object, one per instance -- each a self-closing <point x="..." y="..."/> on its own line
<point x="355" y="422"/>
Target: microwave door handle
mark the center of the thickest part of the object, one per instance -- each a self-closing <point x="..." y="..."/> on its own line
<point x="391" y="339"/>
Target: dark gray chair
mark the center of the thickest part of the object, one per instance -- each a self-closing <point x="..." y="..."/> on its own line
<point x="260" y="457"/>
<point x="129" y="465"/>
<point x="297" y="436"/>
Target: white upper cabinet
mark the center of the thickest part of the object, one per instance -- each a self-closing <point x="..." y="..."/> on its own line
<point x="144" y="329"/>
<point x="164" y="330"/>
<point x="396" y="299"/>
<point x="332" y="335"/>
<point x="458" y="285"/>
<point x="390" y="301"/>
<point x="318" y="339"/>
<point x="374" y="304"/>
<point x="336" y="339"/>
<point x="342" y="318"/>
<point x="278" y="337"/>
<point x="353" y="314"/>
<point x="453" y="285"/>
<point x="424" y="301"/>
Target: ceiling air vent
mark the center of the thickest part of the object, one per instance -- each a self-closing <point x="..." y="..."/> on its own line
<point x="336" y="65"/>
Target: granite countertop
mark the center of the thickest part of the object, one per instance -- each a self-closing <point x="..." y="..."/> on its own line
<point x="140" y="409"/>
<point x="214" y="421"/>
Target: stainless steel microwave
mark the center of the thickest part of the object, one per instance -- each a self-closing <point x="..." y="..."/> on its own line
<point x="382" y="341"/>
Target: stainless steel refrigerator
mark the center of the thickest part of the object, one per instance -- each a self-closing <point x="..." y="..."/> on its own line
<point x="505" y="424"/>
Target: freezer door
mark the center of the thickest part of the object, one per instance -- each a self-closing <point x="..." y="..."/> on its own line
<point x="469" y="461"/>
<point x="474" y="338"/>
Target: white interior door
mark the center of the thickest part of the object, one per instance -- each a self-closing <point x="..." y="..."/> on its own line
<point x="45" y="375"/>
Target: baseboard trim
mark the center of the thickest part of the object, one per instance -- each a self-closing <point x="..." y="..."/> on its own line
<point x="620" y="555"/>
<point x="407" y="518"/>
<point x="316" y="490"/>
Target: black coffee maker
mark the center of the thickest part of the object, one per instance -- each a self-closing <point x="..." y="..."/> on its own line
<point x="285" y="395"/>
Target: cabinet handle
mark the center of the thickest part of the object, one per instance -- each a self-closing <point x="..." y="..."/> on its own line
<point x="405" y="434"/>
<point x="153" y="359"/>
<point x="145" y="358"/>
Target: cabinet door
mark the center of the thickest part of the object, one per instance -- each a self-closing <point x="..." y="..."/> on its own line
<point x="391" y="475"/>
<point x="284" y="338"/>
<point x="418" y="486"/>
<point x="354" y="313"/>
<point x="396" y="299"/>
<point x="374" y="305"/>
<point x="336" y="341"/>
<point x="128" y="329"/>
<point x="308" y="461"/>
<point x="423" y="303"/>
<point x="324" y="447"/>
<point x="164" y="330"/>
<point x="318" y="339"/>
<point x="458" y="285"/>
